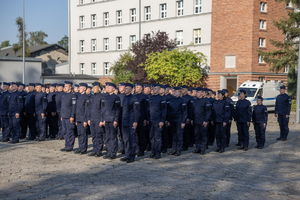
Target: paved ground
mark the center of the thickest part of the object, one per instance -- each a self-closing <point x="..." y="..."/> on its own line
<point x="32" y="170"/>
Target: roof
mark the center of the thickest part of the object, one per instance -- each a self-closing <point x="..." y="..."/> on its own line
<point x="20" y="59"/>
<point x="9" y="51"/>
<point x="69" y="76"/>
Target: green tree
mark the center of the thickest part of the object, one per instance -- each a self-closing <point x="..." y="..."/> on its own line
<point x="176" y="67"/>
<point x="37" y="38"/>
<point x="121" y="74"/>
<point x="19" y="46"/>
<point x="64" y="42"/>
<point x="5" y="44"/>
<point x="285" y="53"/>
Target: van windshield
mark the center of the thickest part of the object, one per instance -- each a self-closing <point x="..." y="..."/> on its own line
<point x="250" y="91"/>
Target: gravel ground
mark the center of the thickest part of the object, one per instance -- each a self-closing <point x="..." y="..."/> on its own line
<point x="39" y="170"/>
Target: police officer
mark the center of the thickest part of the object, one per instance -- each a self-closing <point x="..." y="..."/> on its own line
<point x="14" y="109"/>
<point x="23" y="121"/>
<point x="40" y="112"/>
<point x="200" y="114"/>
<point x="111" y="113"/>
<point x="187" y="132"/>
<point x="220" y="116"/>
<point x="95" y="120"/>
<point x="211" y="135"/>
<point x="29" y="112"/>
<point x="177" y="116"/>
<point x="157" y="116"/>
<point x="52" y="112"/>
<point x="76" y="89"/>
<point x="141" y="129"/>
<point x="228" y="125"/>
<point x="88" y="91"/>
<point x="282" y="111"/>
<point x="260" y="119"/>
<point x="58" y="97"/>
<point x="121" y="96"/>
<point x="4" y="103"/>
<point x="242" y="116"/>
<point x="82" y="119"/>
<point x="68" y="111"/>
<point x="166" y="127"/>
<point x="147" y="92"/>
<point x="130" y="118"/>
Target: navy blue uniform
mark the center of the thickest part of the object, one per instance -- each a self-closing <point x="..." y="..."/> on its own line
<point x="120" y="135"/>
<point x="283" y="108"/>
<point x="68" y="110"/>
<point x="51" y="109"/>
<point x="4" y="102"/>
<point x="259" y="118"/>
<point x="58" y="98"/>
<point x="15" y="106"/>
<point x="166" y="129"/>
<point x="228" y="125"/>
<point x="141" y="130"/>
<point x="177" y="115"/>
<point x="29" y="110"/>
<point x="211" y="134"/>
<point x="81" y="118"/>
<point x="188" y="132"/>
<point x="112" y="106"/>
<point x="23" y="121"/>
<point x="95" y="116"/>
<point x="220" y="114"/>
<point x="243" y="114"/>
<point x="157" y="113"/>
<point x="40" y="108"/>
<point x="130" y="114"/>
<point x="200" y="112"/>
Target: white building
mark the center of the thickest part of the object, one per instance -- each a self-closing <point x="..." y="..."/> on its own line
<point x="102" y="29"/>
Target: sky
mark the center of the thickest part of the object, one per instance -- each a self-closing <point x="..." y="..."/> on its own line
<point x="50" y="16"/>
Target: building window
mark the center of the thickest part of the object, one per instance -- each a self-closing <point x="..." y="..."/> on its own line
<point x="106" y="19"/>
<point x="94" y="45"/>
<point x="230" y="61"/>
<point x="119" y="43"/>
<point x="179" y="37"/>
<point x="262" y="42"/>
<point x="106" y="68"/>
<point x="106" y="44"/>
<point x="198" y="6"/>
<point x="119" y="17"/>
<point x="262" y="24"/>
<point x="197" y="36"/>
<point x="179" y="8"/>
<point x="81" y="2"/>
<point x="163" y="8"/>
<point x="94" y="70"/>
<point x="81" y="46"/>
<point x="147" y="13"/>
<point x="132" y="40"/>
<point x="81" y="22"/>
<point x="133" y="15"/>
<point x="260" y="59"/>
<point x="82" y="68"/>
<point x="263" y="7"/>
<point x="94" y="20"/>
<point x="290" y="5"/>
<point x="286" y="69"/>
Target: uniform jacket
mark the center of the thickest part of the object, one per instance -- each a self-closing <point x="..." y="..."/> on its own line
<point x="4" y="102"/>
<point x="30" y="102"/>
<point x="81" y="108"/>
<point x="177" y="110"/>
<point x="40" y="103"/>
<point x="243" y="111"/>
<point x="157" y="109"/>
<point x="142" y="99"/>
<point x="15" y="103"/>
<point x="201" y="110"/>
<point x="283" y="104"/>
<point x="58" y="98"/>
<point x="220" y="111"/>
<point x="260" y="114"/>
<point x="51" y="107"/>
<point x="95" y="110"/>
<point x="112" y="108"/>
<point x="68" y="105"/>
<point x="130" y="110"/>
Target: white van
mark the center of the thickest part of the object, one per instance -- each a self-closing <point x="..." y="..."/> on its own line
<point x="268" y="90"/>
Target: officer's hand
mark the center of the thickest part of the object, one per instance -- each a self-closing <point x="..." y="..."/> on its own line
<point x="103" y="123"/>
<point x="265" y="125"/>
<point x="224" y="124"/>
<point x="76" y="123"/>
<point x="25" y="114"/>
<point x="145" y="122"/>
<point x="160" y="124"/>
<point x="287" y="116"/>
<point x="182" y="125"/>
<point x="42" y="115"/>
<point x="192" y="122"/>
<point x="212" y="122"/>
<point x="115" y="124"/>
<point x="71" y="120"/>
<point x="229" y="121"/>
<point x="89" y="122"/>
<point x="34" y="114"/>
<point x="276" y="115"/>
<point x="166" y="123"/>
<point x="248" y="123"/>
<point x="134" y="125"/>
<point x="204" y="124"/>
<point x="60" y="119"/>
<point x="17" y="115"/>
<point x="53" y="114"/>
<point x="85" y="124"/>
<point x="188" y="121"/>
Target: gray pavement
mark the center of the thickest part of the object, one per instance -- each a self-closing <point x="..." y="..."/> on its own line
<point x="39" y="170"/>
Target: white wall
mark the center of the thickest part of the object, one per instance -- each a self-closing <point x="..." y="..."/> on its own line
<point x="188" y="22"/>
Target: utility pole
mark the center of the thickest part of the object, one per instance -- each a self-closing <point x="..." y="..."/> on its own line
<point x="23" y="41"/>
<point x="140" y="18"/>
<point x="298" y="89"/>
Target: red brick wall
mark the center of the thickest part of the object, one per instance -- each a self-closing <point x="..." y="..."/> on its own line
<point x="103" y="80"/>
